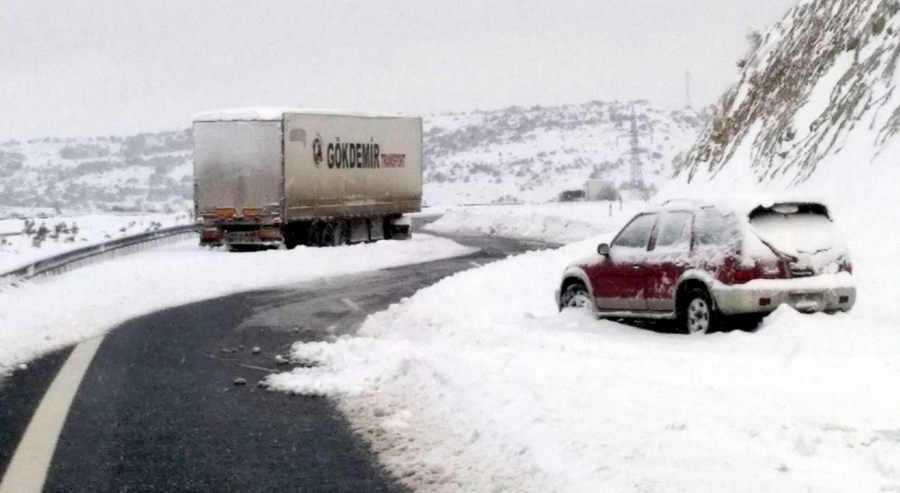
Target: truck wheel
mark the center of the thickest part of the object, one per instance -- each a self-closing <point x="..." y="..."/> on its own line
<point x="344" y="238"/>
<point x="330" y="234"/>
<point x="314" y="235"/>
<point x="340" y="234"/>
<point x="386" y="227"/>
<point x="291" y="238"/>
<point x="697" y="314"/>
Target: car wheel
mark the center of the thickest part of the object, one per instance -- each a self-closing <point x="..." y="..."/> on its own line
<point x="698" y="315"/>
<point x="576" y="296"/>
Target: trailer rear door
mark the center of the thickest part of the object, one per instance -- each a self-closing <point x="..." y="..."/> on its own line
<point x="237" y="164"/>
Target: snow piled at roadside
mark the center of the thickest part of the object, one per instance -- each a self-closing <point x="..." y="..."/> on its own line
<point x="47" y="314"/>
<point x="558" y="223"/>
<point x="18" y="248"/>
<point x="478" y="384"/>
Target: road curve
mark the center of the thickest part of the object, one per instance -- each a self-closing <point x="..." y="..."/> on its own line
<point x="158" y="409"/>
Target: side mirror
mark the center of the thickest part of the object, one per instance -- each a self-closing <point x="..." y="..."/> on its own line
<point x="603" y="249"/>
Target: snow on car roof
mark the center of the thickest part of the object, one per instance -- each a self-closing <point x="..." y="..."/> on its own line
<point x="274" y="113"/>
<point x="741" y="204"/>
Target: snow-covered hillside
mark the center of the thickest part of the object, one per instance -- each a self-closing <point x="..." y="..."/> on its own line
<point x="144" y="172"/>
<point x="533" y="154"/>
<point x="816" y="98"/>
<point x="512" y="154"/>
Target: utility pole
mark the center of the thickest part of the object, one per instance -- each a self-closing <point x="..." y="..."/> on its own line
<point x="637" y="172"/>
<point x="634" y="153"/>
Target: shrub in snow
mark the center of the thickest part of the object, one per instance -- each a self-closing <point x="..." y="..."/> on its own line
<point x="40" y="235"/>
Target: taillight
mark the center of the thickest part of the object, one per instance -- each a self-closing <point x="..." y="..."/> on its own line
<point x="225" y="212"/>
<point x="742" y="276"/>
<point x="269" y="234"/>
<point x="761" y="270"/>
<point x="846" y="266"/>
<point x="210" y="234"/>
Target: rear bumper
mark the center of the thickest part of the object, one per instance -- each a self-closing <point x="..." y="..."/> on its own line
<point x="253" y="235"/>
<point x="814" y="294"/>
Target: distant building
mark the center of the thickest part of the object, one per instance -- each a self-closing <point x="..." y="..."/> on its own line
<point x="600" y="190"/>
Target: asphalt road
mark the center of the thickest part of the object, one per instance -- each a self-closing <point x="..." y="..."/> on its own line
<point x="158" y="409"/>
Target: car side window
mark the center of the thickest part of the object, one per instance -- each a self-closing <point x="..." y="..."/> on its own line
<point x="637" y="233"/>
<point x="674" y="231"/>
<point x="716" y="228"/>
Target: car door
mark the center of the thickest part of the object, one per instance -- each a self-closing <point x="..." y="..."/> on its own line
<point x="667" y="259"/>
<point x="617" y="278"/>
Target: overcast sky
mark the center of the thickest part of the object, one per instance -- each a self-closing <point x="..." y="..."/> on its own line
<point x="85" y="68"/>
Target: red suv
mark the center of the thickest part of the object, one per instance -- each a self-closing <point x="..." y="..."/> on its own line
<point x="698" y="262"/>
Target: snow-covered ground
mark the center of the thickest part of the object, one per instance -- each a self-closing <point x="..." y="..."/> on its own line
<point x="478" y="384"/>
<point x="554" y="222"/>
<point x="18" y="247"/>
<point x="50" y="313"/>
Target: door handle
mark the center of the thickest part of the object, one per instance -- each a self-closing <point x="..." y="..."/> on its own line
<point x="635" y="266"/>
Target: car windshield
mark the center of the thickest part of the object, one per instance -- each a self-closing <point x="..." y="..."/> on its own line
<point x="795" y="229"/>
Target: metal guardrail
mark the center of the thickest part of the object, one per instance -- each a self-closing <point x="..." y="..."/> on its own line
<point x="79" y="257"/>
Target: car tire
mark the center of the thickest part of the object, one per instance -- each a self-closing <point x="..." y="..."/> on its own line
<point x="576" y="296"/>
<point x="697" y="314"/>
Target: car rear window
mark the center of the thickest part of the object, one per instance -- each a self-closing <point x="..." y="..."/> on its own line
<point x="795" y="228"/>
<point x="717" y="228"/>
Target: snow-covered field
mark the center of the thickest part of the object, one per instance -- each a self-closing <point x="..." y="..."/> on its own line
<point x="50" y="313"/>
<point x="506" y="394"/>
<point x="63" y="233"/>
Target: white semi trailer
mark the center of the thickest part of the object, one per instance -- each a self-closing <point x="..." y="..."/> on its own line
<point x="294" y="177"/>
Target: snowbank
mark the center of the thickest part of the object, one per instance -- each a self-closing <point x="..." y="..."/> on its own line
<point x="47" y="314"/>
<point x="18" y="248"/>
<point x="478" y="384"/>
<point x="558" y="223"/>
